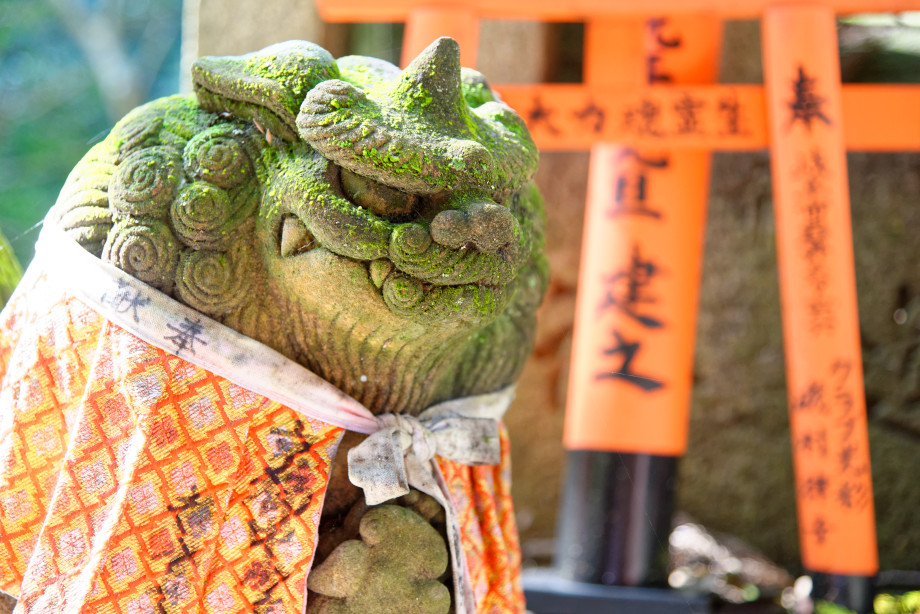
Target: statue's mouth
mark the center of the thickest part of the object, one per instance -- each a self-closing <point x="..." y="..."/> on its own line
<point x="406" y="294"/>
<point x="441" y="257"/>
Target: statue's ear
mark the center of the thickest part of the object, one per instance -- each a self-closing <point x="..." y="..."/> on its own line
<point x="266" y="86"/>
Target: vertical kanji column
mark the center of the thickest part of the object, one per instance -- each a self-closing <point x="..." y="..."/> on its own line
<point x="818" y="289"/>
<point x="632" y="360"/>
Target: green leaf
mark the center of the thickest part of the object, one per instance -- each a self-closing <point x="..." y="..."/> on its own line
<point x="10" y="270"/>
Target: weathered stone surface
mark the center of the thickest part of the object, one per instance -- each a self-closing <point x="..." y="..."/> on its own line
<point x="393" y="568"/>
<point x="384" y="219"/>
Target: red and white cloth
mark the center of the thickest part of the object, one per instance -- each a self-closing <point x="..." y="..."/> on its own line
<point x="154" y="460"/>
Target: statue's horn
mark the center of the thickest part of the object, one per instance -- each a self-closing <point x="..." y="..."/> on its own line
<point x="431" y="84"/>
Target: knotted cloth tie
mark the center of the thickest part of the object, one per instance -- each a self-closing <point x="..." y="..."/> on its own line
<point x="381" y="464"/>
<point x="402" y="454"/>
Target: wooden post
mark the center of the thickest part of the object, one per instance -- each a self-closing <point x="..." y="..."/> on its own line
<point x="631" y="376"/>
<point x="427" y="22"/>
<point x="818" y="289"/>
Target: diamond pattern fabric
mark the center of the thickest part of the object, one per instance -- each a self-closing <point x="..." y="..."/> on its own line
<point x="133" y="481"/>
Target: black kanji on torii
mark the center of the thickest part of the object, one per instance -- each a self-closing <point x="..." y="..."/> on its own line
<point x="631" y="195"/>
<point x="815" y="232"/>
<point x="628" y="288"/>
<point x="821" y="311"/>
<point x="846" y="457"/>
<point x="812" y="399"/>
<point x="820" y="529"/>
<point x="813" y="170"/>
<point x="540" y="114"/>
<point x="813" y="441"/>
<point x="642" y="119"/>
<point x="592" y="114"/>
<point x="815" y="487"/>
<point x="852" y="495"/>
<point x="730" y="110"/>
<point x="627" y="350"/>
<point x="656" y="28"/>
<point x="806" y="104"/>
<point x="186" y="335"/>
<point x="687" y="109"/>
<point x="841" y="371"/>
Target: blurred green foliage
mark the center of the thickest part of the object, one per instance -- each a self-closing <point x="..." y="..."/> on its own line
<point x="908" y="603"/>
<point x="10" y="271"/>
<point x="880" y="48"/>
<point x="52" y="108"/>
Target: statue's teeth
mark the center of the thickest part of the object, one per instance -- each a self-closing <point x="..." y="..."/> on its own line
<point x="379" y="270"/>
<point x="294" y="236"/>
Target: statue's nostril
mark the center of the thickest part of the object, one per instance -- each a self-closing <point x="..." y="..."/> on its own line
<point x="491" y="226"/>
<point x="451" y="228"/>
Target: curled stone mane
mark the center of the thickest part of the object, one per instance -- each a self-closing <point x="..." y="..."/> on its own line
<point x="170" y="205"/>
<point x="379" y="226"/>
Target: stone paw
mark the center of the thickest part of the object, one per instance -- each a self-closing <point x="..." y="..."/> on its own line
<point x="393" y="569"/>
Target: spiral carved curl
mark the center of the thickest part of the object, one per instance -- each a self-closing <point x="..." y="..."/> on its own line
<point x="217" y="156"/>
<point x="402" y="293"/>
<point x="146" y="182"/>
<point x="202" y="216"/>
<point x="145" y="249"/>
<point x="212" y="282"/>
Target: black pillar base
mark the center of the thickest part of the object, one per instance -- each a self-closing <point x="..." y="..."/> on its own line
<point x="615" y="518"/>
<point x="547" y="593"/>
<point x="853" y="592"/>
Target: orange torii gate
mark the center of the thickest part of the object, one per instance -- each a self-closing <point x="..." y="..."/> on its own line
<point x="651" y="116"/>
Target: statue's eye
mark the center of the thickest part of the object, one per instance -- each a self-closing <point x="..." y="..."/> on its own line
<point x="383" y="200"/>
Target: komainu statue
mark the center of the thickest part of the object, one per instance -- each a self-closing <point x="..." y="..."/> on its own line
<point x="261" y="359"/>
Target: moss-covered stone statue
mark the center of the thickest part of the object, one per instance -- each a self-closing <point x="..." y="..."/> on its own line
<point x="377" y="226"/>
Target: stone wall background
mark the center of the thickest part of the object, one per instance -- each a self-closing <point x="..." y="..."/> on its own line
<point x="737" y="475"/>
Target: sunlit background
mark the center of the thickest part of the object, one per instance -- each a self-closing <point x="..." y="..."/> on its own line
<point x="68" y="70"/>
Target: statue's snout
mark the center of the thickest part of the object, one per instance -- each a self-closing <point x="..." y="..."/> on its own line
<point x="482" y="223"/>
